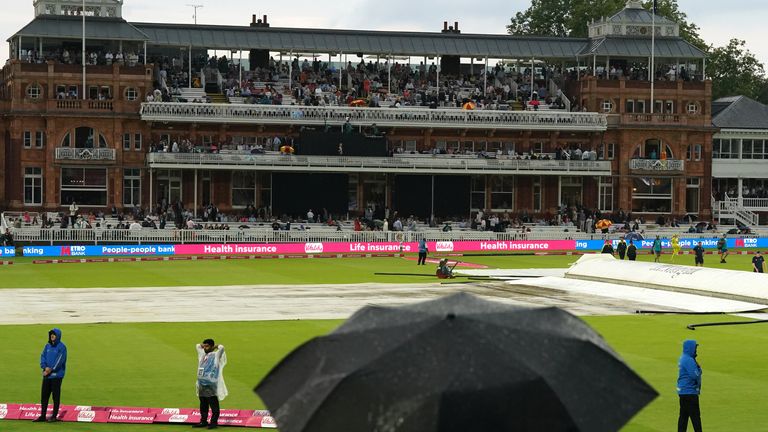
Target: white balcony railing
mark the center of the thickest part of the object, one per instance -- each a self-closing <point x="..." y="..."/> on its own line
<point x="438" y="164"/>
<point x="389" y="117"/>
<point x="85" y="154"/>
<point x="657" y="165"/>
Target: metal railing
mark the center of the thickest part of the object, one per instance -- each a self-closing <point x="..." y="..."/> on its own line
<point x="71" y="153"/>
<point x="172" y="236"/>
<point x="657" y="165"/>
<point x="391" y="117"/>
<point x="443" y="164"/>
<point x="729" y="208"/>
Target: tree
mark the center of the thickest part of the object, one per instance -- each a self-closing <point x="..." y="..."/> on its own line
<point x="570" y="18"/>
<point x="734" y="70"/>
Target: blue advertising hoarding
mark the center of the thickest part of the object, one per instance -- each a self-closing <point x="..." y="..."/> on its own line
<point x="685" y="243"/>
<point x="7" y="251"/>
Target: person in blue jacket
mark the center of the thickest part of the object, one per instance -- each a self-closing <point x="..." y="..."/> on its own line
<point x="689" y="387"/>
<point x="53" y="362"/>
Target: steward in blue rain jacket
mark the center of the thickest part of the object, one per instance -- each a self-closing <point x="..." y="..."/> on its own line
<point x="689" y="376"/>
<point x="54" y="356"/>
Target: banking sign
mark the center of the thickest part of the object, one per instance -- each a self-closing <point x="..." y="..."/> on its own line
<point x="358" y="247"/>
<point x="7" y="251"/>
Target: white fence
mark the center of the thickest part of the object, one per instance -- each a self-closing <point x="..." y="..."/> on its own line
<point x="390" y="117"/>
<point x="441" y="164"/>
<point x="90" y="236"/>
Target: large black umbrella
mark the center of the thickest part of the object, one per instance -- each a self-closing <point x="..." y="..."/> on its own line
<point x="458" y="363"/>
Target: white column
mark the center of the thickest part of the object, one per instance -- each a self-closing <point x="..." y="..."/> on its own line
<point x="485" y="77"/>
<point x="389" y="74"/>
<point x="437" y="80"/>
<point x="189" y="66"/>
<point x="290" y="73"/>
<point x="195" y="201"/>
<point x="145" y="53"/>
<point x="740" y="195"/>
<point x="18" y="57"/>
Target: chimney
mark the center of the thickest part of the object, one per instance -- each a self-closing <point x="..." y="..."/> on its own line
<point x="445" y="25"/>
<point x="258" y="22"/>
<point x="456" y="26"/>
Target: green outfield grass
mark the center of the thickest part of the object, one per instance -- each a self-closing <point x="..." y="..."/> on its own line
<point x="154" y="365"/>
<point x="24" y="274"/>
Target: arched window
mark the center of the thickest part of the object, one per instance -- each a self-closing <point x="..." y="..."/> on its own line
<point x="653" y="149"/>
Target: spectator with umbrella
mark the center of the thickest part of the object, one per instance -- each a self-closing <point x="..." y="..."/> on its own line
<point x="454" y="364"/>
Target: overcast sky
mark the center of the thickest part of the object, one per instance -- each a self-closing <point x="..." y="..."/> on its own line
<point x="719" y="20"/>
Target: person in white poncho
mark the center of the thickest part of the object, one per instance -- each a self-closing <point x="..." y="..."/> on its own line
<point x="210" y="381"/>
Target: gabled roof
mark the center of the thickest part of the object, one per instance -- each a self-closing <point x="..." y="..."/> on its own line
<point x="673" y="48"/>
<point x="70" y="27"/>
<point x="739" y="112"/>
<point x="360" y="41"/>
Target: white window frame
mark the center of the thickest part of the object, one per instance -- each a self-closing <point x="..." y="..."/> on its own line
<point x="132" y="179"/>
<point x="33" y="176"/>
<point x="34" y="91"/>
<point x="27" y="139"/>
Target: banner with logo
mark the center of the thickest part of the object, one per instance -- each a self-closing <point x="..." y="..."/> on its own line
<point x="685" y="243"/>
<point x="312" y="248"/>
<point x="7" y="251"/>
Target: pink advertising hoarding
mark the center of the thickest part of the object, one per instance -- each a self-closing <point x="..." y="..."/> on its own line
<point x="378" y="247"/>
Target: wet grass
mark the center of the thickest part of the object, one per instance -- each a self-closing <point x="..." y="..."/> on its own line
<point x="154" y="365"/>
<point x="24" y="274"/>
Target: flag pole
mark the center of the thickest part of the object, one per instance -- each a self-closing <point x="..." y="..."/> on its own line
<point x="653" y="54"/>
<point x="83" y="58"/>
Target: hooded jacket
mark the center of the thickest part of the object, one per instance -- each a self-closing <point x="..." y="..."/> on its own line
<point x="54" y="356"/>
<point x="689" y="371"/>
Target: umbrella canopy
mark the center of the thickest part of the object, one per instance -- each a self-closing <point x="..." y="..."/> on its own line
<point x="634" y="236"/>
<point x="603" y="223"/>
<point x="469" y="106"/>
<point x="455" y="364"/>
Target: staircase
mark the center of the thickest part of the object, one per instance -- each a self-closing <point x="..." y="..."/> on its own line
<point x="218" y="98"/>
<point x="730" y="209"/>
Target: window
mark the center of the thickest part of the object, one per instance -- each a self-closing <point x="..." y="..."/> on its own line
<point x="34" y="91"/>
<point x="243" y="188"/>
<point x="610" y="151"/>
<point x="725" y="148"/>
<point x="502" y="192"/>
<point x="606" y="194"/>
<point x="477" y="198"/>
<point x="33" y="186"/>
<point x="538" y="148"/>
<point x="65" y="140"/>
<point x="658" y="107"/>
<point x="640" y="106"/>
<point x="692" y="195"/>
<point x="651" y="194"/>
<point x="753" y="149"/>
<point x="607" y="106"/>
<point x="27" y="139"/>
<point x="537" y="194"/>
<point x="687" y="153"/>
<point x="39" y="139"/>
<point x="697" y="152"/>
<point x="61" y="91"/>
<point x="669" y="107"/>
<point x="126" y="141"/>
<point x="132" y="186"/>
<point x="453" y="147"/>
<point x="131" y="94"/>
<point x="137" y="141"/>
<point x="630" y="106"/>
<point x="692" y="108"/>
<point x="86" y="186"/>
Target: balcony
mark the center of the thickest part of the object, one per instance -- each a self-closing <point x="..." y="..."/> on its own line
<point x="85" y="154"/>
<point x="401" y="165"/>
<point x="79" y="105"/>
<point x="386" y="117"/>
<point x="669" y="166"/>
